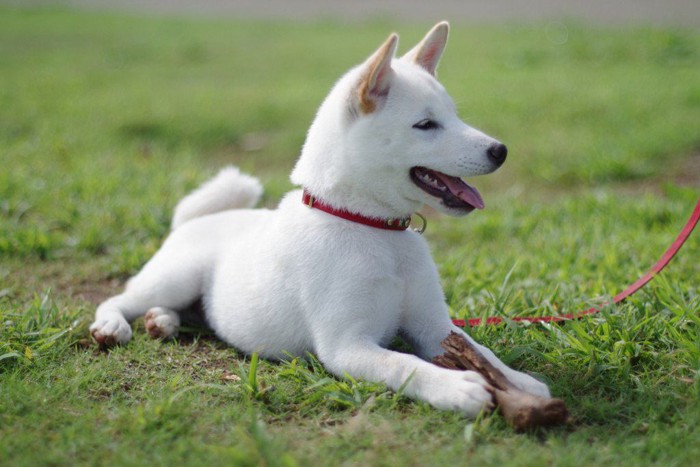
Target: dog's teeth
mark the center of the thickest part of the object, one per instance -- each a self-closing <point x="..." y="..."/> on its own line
<point x="433" y="182"/>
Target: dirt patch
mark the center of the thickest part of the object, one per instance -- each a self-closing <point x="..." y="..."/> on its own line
<point x="685" y="173"/>
<point x="96" y="292"/>
<point x="688" y="174"/>
<point x="67" y="280"/>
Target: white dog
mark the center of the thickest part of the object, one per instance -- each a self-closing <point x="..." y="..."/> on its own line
<point x="336" y="274"/>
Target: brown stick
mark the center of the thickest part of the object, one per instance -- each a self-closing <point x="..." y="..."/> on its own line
<point x="522" y="410"/>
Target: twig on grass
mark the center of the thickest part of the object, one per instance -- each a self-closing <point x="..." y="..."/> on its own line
<point x="521" y="410"/>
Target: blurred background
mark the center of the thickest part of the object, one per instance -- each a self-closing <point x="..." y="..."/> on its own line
<point x="671" y="12"/>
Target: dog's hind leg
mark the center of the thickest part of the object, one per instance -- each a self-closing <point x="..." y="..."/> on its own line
<point x="170" y="282"/>
<point x="111" y="324"/>
<point x="112" y="318"/>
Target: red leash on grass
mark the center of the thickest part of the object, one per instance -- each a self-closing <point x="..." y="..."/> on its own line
<point x="641" y="282"/>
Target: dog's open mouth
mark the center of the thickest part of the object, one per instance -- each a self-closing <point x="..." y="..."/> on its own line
<point x="454" y="192"/>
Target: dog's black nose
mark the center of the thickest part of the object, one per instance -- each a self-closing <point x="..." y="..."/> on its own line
<point x="497" y="152"/>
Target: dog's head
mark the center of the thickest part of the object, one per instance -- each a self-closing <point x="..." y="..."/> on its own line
<point x="388" y="139"/>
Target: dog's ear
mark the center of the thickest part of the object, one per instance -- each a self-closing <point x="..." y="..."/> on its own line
<point x="376" y="79"/>
<point x="428" y="52"/>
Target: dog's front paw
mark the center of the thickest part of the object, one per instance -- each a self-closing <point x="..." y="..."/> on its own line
<point x="161" y="323"/>
<point x="528" y="384"/>
<point x="462" y="391"/>
<point x="111" y="331"/>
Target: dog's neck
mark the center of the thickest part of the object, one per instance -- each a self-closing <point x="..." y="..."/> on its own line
<point x="391" y="223"/>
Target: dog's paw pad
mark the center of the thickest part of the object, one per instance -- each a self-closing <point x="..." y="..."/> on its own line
<point x="161" y="323"/>
<point x="110" y="332"/>
<point x="101" y="339"/>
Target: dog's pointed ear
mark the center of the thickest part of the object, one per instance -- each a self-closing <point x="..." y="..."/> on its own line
<point x="376" y="79"/>
<point x="428" y="51"/>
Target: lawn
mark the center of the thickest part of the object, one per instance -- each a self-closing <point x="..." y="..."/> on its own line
<point x="107" y="120"/>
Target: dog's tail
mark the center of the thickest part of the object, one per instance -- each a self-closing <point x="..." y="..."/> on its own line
<point x="230" y="189"/>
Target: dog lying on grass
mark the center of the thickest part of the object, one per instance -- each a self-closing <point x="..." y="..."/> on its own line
<point x="333" y="270"/>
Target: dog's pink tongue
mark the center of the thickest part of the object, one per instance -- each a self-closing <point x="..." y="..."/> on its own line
<point x="462" y="190"/>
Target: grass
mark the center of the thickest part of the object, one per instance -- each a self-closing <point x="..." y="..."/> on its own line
<point x="107" y="120"/>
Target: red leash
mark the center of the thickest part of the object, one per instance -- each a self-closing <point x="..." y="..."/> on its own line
<point x="641" y="282"/>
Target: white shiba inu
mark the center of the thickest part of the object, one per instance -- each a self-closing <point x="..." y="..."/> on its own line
<point x="338" y="274"/>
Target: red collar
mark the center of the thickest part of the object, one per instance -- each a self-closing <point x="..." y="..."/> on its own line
<point x="401" y="223"/>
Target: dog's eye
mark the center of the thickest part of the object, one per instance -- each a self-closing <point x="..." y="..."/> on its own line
<point x="427" y="124"/>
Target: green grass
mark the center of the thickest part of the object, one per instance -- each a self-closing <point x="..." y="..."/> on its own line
<point x="107" y="120"/>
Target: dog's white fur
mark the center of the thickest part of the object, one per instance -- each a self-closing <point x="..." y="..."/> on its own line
<point x="295" y="280"/>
